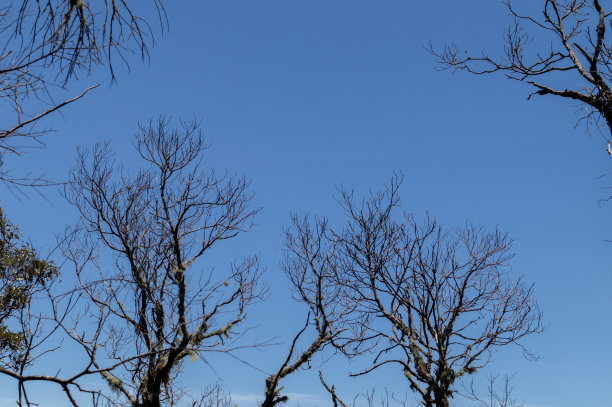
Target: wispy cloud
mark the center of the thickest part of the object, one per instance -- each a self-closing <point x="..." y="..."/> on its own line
<point x="245" y="397"/>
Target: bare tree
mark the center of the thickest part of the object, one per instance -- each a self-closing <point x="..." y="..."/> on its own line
<point x="437" y="303"/>
<point x="154" y="304"/>
<point x="213" y="396"/>
<point x="496" y="395"/>
<point x="331" y="389"/>
<point x="568" y="41"/>
<point x="367" y="398"/>
<point x="310" y="264"/>
<point x="43" y="44"/>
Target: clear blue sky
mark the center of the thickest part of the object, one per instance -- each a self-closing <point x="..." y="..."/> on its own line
<point x="302" y="96"/>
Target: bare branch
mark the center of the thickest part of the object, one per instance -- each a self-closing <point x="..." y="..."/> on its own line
<point x="156" y="305"/>
<point x="435" y="302"/>
<point x="576" y="30"/>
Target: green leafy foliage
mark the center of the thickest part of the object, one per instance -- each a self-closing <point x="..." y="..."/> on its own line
<point x="22" y="275"/>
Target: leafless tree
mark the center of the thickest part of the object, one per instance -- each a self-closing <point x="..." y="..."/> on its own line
<point x="45" y="43"/>
<point x="310" y="263"/>
<point x="151" y="302"/>
<point x="437" y="303"/>
<point x="213" y="396"/>
<point x="331" y="389"/>
<point x="368" y="398"/>
<point x="496" y="395"/>
<point x="568" y="43"/>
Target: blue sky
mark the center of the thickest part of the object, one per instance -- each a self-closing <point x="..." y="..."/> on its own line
<point x="303" y="96"/>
